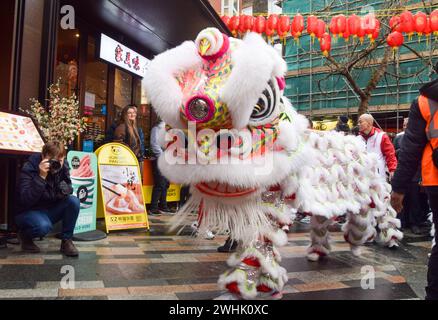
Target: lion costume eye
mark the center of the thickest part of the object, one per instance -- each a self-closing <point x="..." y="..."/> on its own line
<point x="267" y="106"/>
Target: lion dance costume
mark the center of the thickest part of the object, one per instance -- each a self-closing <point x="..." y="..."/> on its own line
<point x="250" y="159"/>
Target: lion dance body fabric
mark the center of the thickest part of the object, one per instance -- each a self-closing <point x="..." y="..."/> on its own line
<point x="251" y="161"/>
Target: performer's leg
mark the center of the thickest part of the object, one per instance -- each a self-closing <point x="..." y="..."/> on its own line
<point x="319" y="236"/>
<point x="359" y="229"/>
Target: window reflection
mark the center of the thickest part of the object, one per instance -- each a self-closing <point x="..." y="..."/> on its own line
<point x="66" y="68"/>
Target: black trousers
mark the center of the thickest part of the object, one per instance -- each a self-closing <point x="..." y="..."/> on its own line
<point x="184" y="195"/>
<point x="161" y="184"/>
<point x="432" y="273"/>
<point x="415" y="207"/>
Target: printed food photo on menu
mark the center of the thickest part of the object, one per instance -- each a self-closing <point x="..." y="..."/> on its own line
<point x="83" y="180"/>
<point x="121" y="190"/>
<point x="19" y="133"/>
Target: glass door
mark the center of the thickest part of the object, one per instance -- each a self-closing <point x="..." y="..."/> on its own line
<point x="95" y="106"/>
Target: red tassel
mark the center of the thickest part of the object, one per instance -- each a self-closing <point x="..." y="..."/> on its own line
<point x="233" y="288"/>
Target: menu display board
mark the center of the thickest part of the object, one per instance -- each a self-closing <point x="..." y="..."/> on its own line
<point x="83" y="174"/>
<point x="120" y="198"/>
<point x="18" y="134"/>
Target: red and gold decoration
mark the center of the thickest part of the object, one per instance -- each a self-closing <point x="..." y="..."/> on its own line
<point x="283" y="27"/>
<point x="259" y="24"/>
<point x="395" y="40"/>
<point x="297" y="26"/>
<point x="340" y="26"/>
<point x="325" y="44"/>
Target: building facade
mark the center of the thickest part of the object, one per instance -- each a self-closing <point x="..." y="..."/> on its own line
<point x="314" y="92"/>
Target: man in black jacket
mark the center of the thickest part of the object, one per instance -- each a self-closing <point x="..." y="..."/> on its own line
<point x="415" y="142"/>
<point x="44" y="198"/>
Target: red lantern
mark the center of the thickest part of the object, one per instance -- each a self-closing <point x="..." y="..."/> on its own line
<point x="297" y="27"/>
<point x="326" y="44"/>
<point x="268" y="31"/>
<point x="371" y="24"/>
<point x="427" y="30"/>
<point x="407" y="23"/>
<point x="342" y="24"/>
<point x="420" y="22"/>
<point x="312" y="23"/>
<point x="367" y="23"/>
<point x="375" y="35"/>
<point x="354" y="24"/>
<point x="395" y="24"/>
<point x="226" y="19"/>
<point x="320" y="28"/>
<point x="333" y="27"/>
<point x="249" y="23"/>
<point x="234" y="25"/>
<point x="242" y="23"/>
<point x="395" y="40"/>
<point x="273" y="22"/>
<point x="246" y="23"/>
<point x="283" y="26"/>
<point x="346" y="35"/>
<point x="361" y="32"/>
<point x="434" y="22"/>
<point x="259" y="24"/>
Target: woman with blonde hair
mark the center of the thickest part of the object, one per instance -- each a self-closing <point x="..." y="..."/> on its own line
<point x="128" y="133"/>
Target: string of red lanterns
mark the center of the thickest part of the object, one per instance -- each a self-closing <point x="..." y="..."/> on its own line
<point x="340" y="26"/>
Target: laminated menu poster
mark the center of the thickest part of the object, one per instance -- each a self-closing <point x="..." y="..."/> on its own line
<point x="83" y="174"/>
<point x="18" y="134"/>
<point x="121" y="199"/>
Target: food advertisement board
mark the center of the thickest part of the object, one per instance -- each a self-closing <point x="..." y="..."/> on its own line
<point x="18" y="134"/>
<point x="121" y="199"/>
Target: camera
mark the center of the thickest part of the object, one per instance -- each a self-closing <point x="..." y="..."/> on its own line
<point x="55" y="166"/>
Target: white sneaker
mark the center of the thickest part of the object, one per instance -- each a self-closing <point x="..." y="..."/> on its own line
<point x="305" y="220"/>
<point x="209" y="235"/>
<point x="194" y="226"/>
<point x="393" y="244"/>
<point x="356" y="251"/>
<point x="314" y="257"/>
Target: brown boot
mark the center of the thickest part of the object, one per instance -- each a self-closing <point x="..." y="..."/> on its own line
<point x="68" y="248"/>
<point x="27" y="244"/>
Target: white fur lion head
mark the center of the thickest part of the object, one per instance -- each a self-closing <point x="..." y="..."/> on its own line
<point x="230" y="93"/>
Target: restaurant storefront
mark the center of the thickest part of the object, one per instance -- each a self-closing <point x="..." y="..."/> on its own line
<point x="102" y="60"/>
<point x="109" y="79"/>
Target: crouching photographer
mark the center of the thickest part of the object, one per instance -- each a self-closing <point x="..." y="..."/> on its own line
<point x="44" y="198"/>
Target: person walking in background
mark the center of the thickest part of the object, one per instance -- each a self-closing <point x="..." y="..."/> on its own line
<point x="415" y="205"/>
<point x="342" y="125"/>
<point x="399" y="137"/>
<point x="128" y="133"/>
<point x="379" y="143"/>
<point x="310" y="126"/>
<point x="161" y="184"/>
<point x="420" y="145"/>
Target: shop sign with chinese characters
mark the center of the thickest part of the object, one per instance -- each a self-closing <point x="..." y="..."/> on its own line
<point x="123" y="57"/>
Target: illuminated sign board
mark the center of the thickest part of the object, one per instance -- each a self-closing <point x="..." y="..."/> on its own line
<point x="123" y="57"/>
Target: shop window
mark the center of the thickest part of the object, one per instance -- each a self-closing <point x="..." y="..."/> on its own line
<point x="95" y="104"/>
<point x="230" y="7"/>
<point x="144" y="109"/>
<point x="122" y="90"/>
<point x="66" y="69"/>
